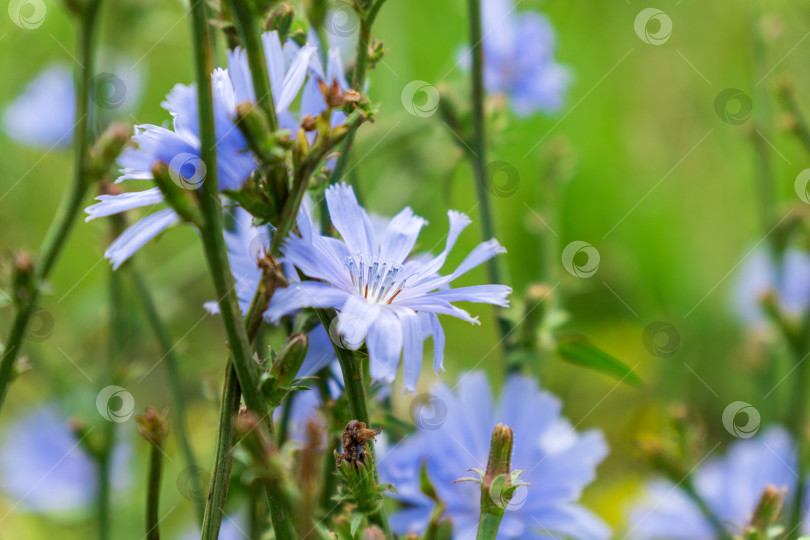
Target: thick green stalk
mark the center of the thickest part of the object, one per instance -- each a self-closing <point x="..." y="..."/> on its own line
<point x="153" y="491"/>
<point x="178" y="407"/>
<point x="251" y="40"/>
<point x="71" y="204"/>
<point x="352" y="369"/>
<point x="489" y="523"/>
<point x="219" y="267"/>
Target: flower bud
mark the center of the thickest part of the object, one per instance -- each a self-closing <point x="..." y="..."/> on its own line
<point x="281" y="20"/>
<point x="279" y="381"/>
<point x="153" y="425"/>
<point x="23" y="279"/>
<point x="766" y="512"/>
<point x="106" y="149"/>
<point x="175" y="195"/>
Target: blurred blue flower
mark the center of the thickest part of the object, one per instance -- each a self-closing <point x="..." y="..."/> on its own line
<point x="519" y="58"/>
<point x="377" y="291"/>
<point x="555" y="459"/>
<point x="44" y="467"/>
<point x="180" y="148"/>
<point x="788" y="278"/>
<point x="731" y="486"/>
<point x="45" y="111"/>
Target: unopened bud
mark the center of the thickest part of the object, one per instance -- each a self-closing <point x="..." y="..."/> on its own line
<point x="173" y="192"/>
<point x="106" y="149"/>
<point x="22" y="278"/>
<point x="153" y="425"/>
<point x="281" y="20"/>
<point x="767" y="510"/>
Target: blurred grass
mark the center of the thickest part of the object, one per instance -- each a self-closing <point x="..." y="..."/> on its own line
<point x="651" y="177"/>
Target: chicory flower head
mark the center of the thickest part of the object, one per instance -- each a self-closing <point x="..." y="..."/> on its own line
<point x="179" y="148"/>
<point x="381" y="295"/>
<point x="519" y="58"/>
<point x="554" y="458"/>
<point x="731" y="486"/>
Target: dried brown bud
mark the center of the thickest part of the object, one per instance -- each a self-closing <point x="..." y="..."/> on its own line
<point x="354" y="440"/>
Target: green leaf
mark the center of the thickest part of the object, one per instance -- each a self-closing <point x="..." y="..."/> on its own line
<point x="578" y="350"/>
<point x="357" y="519"/>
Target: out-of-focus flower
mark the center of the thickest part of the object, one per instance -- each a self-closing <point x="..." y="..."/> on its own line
<point x="44" y="467"/>
<point x="519" y="58"/>
<point x="45" y="111"/>
<point x="731" y="486"/>
<point x="555" y="459"/>
<point x="787" y="278"/>
<point x="179" y="148"/>
<point x="379" y="294"/>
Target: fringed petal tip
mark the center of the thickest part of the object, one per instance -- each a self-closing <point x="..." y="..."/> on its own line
<point x="211" y="307"/>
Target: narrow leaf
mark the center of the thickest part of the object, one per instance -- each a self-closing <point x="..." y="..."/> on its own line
<point x="578" y="350"/>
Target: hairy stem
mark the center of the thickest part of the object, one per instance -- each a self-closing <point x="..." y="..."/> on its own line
<point x="251" y="39"/>
<point x="153" y="491"/>
<point x="488" y="525"/>
<point x="65" y="217"/>
<point x="352" y="368"/>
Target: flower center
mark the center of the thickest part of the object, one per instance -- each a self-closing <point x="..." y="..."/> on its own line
<point x="374" y="278"/>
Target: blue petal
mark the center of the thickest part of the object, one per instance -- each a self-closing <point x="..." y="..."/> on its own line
<point x="132" y="239"/>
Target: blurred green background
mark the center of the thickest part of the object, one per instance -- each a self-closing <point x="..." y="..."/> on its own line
<point x="637" y="163"/>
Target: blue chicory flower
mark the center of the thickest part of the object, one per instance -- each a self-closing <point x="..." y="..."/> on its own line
<point x="788" y="278"/>
<point x="44" y="467"/>
<point x="381" y="295"/>
<point x="519" y="58"/>
<point x="731" y="486"/>
<point x="180" y="148"/>
<point x="44" y="113"/>
<point x="555" y="459"/>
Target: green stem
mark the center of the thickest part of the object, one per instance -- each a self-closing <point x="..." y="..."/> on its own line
<point x="251" y="39"/>
<point x="153" y="491"/>
<point x="178" y="407"/>
<point x="354" y="388"/>
<point x="719" y="530"/>
<point x="223" y="459"/>
<point x="71" y="204"/>
<point x="488" y="524"/>
<point x="477" y="155"/>
<point x="358" y="81"/>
